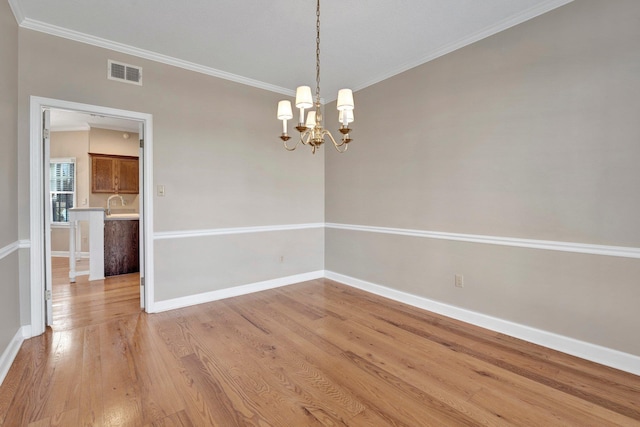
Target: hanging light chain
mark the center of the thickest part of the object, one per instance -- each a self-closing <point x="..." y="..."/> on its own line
<point x="318" y="53"/>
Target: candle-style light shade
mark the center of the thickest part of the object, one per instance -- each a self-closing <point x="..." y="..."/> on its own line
<point x="303" y="97"/>
<point x="311" y="119"/>
<point x="284" y="110"/>
<point x="345" y="99"/>
<point x="349" y="117"/>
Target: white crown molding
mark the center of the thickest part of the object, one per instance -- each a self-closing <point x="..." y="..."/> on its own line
<point x="235" y="230"/>
<point x="77" y="36"/>
<point x="584" y="248"/>
<point x="190" y="300"/>
<point x="17" y="11"/>
<point x="54" y="30"/>
<point x="470" y="39"/>
<point x="584" y="350"/>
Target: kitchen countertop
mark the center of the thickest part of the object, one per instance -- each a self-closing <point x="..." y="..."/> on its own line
<point x="117" y="215"/>
<point x="122" y="217"/>
<point x="86" y="209"/>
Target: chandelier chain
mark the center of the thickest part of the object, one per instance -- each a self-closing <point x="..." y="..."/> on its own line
<point x="318" y="53"/>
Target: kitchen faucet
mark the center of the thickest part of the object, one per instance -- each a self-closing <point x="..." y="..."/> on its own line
<point x="111" y="198"/>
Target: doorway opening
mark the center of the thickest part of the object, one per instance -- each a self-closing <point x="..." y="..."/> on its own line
<point x="66" y="139"/>
<point x="94" y="162"/>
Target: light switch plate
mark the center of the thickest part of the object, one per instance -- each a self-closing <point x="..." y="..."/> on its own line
<point x="459" y="280"/>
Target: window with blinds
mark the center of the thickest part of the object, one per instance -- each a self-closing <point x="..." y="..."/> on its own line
<point x="62" y="178"/>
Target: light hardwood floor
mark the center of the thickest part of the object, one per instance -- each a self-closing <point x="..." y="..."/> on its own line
<point x="312" y="354"/>
<point x="87" y="303"/>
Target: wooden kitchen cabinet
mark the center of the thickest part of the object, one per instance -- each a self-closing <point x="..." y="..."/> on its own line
<point x="114" y="174"/>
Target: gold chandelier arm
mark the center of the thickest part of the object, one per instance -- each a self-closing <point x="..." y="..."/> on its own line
<point x="335" y="144"/>
<point x="327" y="133"/>
<point x="342" y="150"/>
<point x="306" y="134"/>
<point x="286" y="147"/>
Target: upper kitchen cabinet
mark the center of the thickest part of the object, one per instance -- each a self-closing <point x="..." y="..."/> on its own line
<point x="114" y="174"/>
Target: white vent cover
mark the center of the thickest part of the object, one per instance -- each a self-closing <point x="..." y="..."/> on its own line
<point x="124" y="72"/>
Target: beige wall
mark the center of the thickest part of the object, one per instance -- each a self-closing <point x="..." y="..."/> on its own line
<point x="261" y="256"/>
<point x="216" y="151"/>
<point x="531" y="133"/>
<point x="9" y="261"/>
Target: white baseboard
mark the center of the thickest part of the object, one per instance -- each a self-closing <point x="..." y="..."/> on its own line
<point x="595" y="353"/>
<point x="10" y="353"/>
<point x="233" y="292"/>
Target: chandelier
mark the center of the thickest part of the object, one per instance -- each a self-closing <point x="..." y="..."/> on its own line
<point x="312" y="132"/>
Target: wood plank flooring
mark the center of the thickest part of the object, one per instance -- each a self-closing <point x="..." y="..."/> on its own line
<point x="88" y="303"/>
<point x="316" y="353"/>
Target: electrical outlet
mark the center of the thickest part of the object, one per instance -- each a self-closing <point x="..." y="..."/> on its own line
<point x="281" y="258"/>
<point x="459" y="280"/>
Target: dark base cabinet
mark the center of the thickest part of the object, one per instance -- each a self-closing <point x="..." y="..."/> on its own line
<point x="121" y="254"/>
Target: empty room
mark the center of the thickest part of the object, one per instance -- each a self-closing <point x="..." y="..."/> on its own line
<point x="320" y="213"/>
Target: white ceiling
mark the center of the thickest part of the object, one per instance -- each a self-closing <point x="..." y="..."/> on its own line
<point x="62" y="120"/>
<point x="271" y="43"/>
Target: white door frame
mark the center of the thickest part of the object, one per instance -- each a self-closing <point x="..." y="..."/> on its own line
<point x="36" y="200"/>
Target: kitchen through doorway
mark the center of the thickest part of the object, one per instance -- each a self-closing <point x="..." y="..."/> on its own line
<point x="40" y="206"/>
<point x="92" y="162"/>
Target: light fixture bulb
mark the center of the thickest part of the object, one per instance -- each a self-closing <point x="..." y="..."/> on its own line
<point x="349" y="117"/>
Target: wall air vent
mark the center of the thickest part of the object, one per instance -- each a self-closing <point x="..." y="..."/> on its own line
<point x="124" y="72"/>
